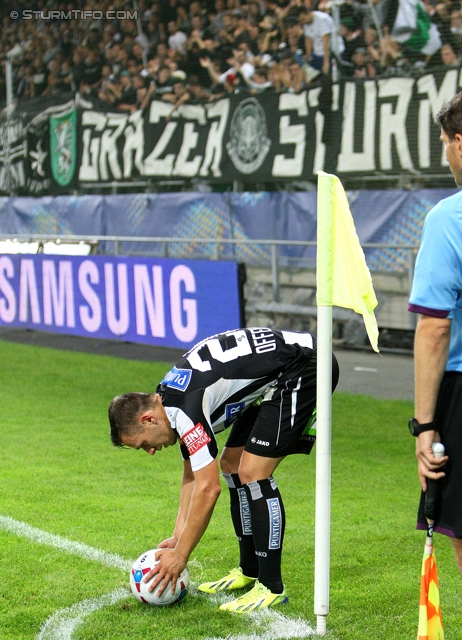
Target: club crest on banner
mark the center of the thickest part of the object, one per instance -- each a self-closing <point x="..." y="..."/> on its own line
<point x="249" y="143"/>
<point x="63" y="147"/>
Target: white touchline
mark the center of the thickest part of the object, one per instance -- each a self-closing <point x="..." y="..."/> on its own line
<point x="63" y="623"/>
<point x="275" y="626"/>
<point x="75" y="548"/>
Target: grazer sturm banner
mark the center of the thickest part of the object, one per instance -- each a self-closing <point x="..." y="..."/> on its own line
<point x="384" y="126"/>
<point x="165" y="302"/>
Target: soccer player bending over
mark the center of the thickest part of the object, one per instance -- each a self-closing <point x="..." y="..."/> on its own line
<point x="261" y="384"/>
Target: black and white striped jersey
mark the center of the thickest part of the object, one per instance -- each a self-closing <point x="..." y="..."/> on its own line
<point x="213" y="384"/>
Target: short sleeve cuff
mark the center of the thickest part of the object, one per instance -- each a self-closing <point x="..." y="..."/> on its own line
<point x="427" y="311"/>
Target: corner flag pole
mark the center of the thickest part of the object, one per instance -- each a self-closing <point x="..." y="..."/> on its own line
<point x="342" y="279"/>
<point x="323" y="467"/>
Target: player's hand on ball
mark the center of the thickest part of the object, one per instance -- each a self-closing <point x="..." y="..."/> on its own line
<point x="141" y="589"/>
<point x="169" y="567"/>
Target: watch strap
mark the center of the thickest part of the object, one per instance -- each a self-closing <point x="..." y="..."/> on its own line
<point x="416" y="428"/>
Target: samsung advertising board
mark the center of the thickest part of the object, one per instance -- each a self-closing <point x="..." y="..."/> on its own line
<point x="171" y="303"/>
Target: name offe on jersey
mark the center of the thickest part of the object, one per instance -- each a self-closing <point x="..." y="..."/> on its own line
<point x="263" y="340"/>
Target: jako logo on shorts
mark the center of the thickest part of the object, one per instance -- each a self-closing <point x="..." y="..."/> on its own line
<point x="177" y="378"/>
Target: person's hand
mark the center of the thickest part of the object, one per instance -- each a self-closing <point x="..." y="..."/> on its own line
<point x="427" y="465"/>
<point x="169" y="567"/>
<point x="169" y="543"/>
<point x="204" y="62"/>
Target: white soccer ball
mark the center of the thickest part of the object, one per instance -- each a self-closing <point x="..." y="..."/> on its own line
<point x="141" y="567"/>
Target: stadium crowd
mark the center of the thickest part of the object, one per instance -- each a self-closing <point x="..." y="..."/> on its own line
<point x="181" y="50"/>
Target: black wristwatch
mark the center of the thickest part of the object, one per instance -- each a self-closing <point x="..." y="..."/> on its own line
<point x="415" y="428"/>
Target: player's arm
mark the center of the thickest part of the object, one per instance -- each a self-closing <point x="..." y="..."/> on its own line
<point x="203" y="494"/>
<point x="187" y="487"/>
<point x="430" y="357"/>
<point x="308" y="47"/>
<point x="326" y="51"/>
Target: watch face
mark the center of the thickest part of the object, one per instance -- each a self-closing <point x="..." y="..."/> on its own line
<point x="412" y="426"/>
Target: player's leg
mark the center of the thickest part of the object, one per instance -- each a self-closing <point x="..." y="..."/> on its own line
<point x="268" y="516"/>
<point x="247" y="571"/>
<point x="284" y="412"/>
<point x="457" y="546"/>
<point x="240" y="510"/>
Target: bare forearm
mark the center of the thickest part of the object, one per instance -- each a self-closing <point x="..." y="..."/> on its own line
<point x="430" y="357"/>
<point x="200" y="511"/>
<point x="187" y="489"/>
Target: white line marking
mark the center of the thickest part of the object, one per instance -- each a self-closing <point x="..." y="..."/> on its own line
<point x="370" y="369"/>
<point x="276" y="627"/>
<point x="63" y="623"/>
<point x="75" y="548"/>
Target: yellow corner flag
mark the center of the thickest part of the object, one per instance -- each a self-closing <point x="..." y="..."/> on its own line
<point x="342" y="275"/>
<point x="430" y="618"/>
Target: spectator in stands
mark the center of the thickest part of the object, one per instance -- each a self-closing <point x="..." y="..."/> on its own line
<point x="390" y="50"/>
<point x="215" y="16"/>
<point x="164" y="82"/>
<point x="182" y="20"/>
<point x="39" y="75"/>
<point x="441" y="16"/>
<point x="241" y="31"/>
<point x="53" y="81"/>
<point x="238" y="63"/>
<point x="155" y="33"/>
<point x="260" y="81"/>
<point x="456" y="22"/>
<point x="56" y="56"/>
<point x="107" y="91"/>
<point x="26" y="87"/>
<point x="448" y="55"/>
<point x="66" y="77"/>
<point x="176" y="40"/>
<point x="317" y="28"/>
<point x="91" y="71"/>
<point x="196" y="90"/>
<point x="180" y="95"/>
<point x="295" y="38"/>
<point x="372" y="45"/>
<point x="293" y="77"/>
<point x="366" y="14"/>
<point x="126" y="93"/>
<point x="362" y="66"/>
<point x="136" y="56"/>
<point x="353" y="38"/>
<point x="274" y="76"/>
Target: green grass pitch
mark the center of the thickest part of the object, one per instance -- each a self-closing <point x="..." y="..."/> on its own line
<point x="60" y="475"/>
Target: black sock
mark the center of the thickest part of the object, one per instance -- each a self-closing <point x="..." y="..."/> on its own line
<point x="242" y="521"/>
<point x="268" y="523"/>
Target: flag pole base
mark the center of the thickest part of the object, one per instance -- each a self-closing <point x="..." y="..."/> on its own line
<point x="321" y="625"/>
